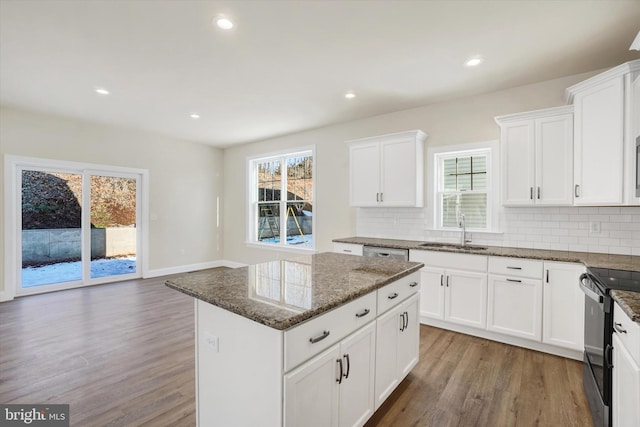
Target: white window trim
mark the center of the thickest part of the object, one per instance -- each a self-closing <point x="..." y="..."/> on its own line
<point x="493" y="188"/>
<point x="12" y="216"/>
<point x="251" y="240"/>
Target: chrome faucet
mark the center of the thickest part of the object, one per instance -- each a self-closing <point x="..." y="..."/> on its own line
<point x="463" y="236"/>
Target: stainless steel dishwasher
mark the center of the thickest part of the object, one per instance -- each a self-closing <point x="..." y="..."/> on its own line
<point x="393" y="253"/>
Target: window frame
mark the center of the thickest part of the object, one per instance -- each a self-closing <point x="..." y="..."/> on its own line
<point x="437" y="154"/>
<point x="252" y="197"/>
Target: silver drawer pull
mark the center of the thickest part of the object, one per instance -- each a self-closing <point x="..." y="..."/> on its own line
<point x="363" y="313"/>
<point x="514" y="280"/>
<point x="514" y="268"/>
<point x="393" y="295"/>
<point x="347" y="250"/>
<point x="413" y="284"/>
<point x="319" y="338"/>
<point x="618" y="327"/>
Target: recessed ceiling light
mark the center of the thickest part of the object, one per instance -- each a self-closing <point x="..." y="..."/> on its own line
<point x="474" y="62"/>
<point x="194" y="116"/>
<point x="224" y="22"/>
<point x="102" y="91"/>
<point x="350" y="95"/>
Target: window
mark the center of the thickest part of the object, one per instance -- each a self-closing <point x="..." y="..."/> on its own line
<point x="464" y="183"/>
<point x="282" y="198"/>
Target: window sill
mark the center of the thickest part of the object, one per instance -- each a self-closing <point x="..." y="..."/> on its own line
<point x="281" y="248"/>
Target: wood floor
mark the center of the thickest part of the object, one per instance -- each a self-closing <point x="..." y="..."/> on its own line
<point x="123" y="355"/>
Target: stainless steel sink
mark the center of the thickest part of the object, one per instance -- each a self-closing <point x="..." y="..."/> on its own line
<point x="437" y="245"/>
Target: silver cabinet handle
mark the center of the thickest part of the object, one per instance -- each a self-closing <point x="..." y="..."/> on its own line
<point x="442" y="280"/>
<point x="377" y="197"/>
<point x="393" y="295"/>
<point x="514" y="268"/>
<point x="531" y="193"/>
<point x="363" y="313"/>
<point x="346" y="357"/>
<point x="413" y="284"/>
<point x="447" y="281"/>
<point x="538" y="193"/>
<point x="576" y="190"/>
<point x="319" y="337"/>
<point x="347" y="250"/>
<point x="618" y="327"/>
<point x="514" y="280"/>
<point x="341" y="374"/>
<point x="381" y="199"/>
<point x="547" y="275"/>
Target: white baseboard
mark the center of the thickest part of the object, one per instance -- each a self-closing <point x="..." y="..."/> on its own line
<point x="506" y="339"/>
<point x="191" y="267"/>
<point x="6" y="296"/>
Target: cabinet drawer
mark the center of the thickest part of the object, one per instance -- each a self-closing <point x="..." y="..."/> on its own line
<point x="347" y="248"/>
<point x="631" y="337"/>
<point x="306" y="340"/>
<point x="515" y="267"/>
<point x="450" y="260"/>
<point x="396" y="292"/>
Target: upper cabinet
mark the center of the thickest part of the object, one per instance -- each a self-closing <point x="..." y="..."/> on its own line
<point x="537" y="157"/>
<point x="387" y="170"/>
<point x="604" y="137"/>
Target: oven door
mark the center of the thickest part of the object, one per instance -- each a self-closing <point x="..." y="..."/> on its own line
<point x="597" y="351"/>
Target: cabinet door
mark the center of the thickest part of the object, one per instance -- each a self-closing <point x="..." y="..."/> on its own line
<point x="515" y="306"/>
<point x="356" y="390"/>
<point x="563" y="306"/>
<point x="432" y="292"/>
<point x="626" y="387"/>
<point x="517" y="141"/>
<point x="401" y="185"/>
<point x="364" y="174"/>
<point x="409" y="338"/>
<point x="554" y="160"/>
<point x="311" y="391"/>
<point x="466" y="298"/>
<point x="387" y="334"/>
<point x="598" y="131"/>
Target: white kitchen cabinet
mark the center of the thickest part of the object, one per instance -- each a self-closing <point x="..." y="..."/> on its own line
<point x="515" y="306"/>
<point x="563" y="305"/>
<point x="348" y="248"/>
<point x="397" y="347"/>
<point x="334" y="388"/>
<point x="453" y="287"/>
<point x="537" y="156"/>
<point x="387" y="170"/>
<point x="603" y="140"/>
<point x="625" y="405"/>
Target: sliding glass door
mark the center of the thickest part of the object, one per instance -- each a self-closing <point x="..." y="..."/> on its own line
<point x="75" y="227"/>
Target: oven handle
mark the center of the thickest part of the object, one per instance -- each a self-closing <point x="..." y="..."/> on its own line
<point x="588" y="292"/>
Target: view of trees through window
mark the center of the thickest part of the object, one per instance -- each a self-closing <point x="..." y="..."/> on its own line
<point x="285" y="185"/>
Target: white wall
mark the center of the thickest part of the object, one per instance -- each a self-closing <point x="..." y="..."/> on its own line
<point x="185" y="178"/>
<point x="459" y="121"/>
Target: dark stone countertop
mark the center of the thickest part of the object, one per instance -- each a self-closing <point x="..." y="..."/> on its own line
<point x="629" y="301"/>
<point x="281" y="294"/>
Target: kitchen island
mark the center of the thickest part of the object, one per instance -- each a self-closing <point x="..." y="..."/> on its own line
<point x="313" y="340"/>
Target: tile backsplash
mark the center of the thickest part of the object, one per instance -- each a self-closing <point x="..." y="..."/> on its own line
<point x="614" y="230"/>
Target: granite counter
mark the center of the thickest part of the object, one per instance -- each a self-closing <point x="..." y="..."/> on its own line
<point x="281" y="294"/>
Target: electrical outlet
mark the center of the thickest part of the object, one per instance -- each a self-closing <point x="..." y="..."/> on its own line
<point x="594" y="228"/>
<point x="212" y="341"/>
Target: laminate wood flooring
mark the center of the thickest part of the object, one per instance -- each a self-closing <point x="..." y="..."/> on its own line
<point x="123" y="355"/>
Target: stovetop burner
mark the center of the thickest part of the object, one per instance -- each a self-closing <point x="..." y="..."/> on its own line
<point x="622" y="280"/>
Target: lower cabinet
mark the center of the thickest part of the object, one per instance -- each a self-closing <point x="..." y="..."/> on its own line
<point x="563" y="306"/>
<point x="465" y="298"/>
<point x="398" y="338"/>
<point x="515" y="306"/>
<point x="336" y="387"/>
<point x="625" y="406"/>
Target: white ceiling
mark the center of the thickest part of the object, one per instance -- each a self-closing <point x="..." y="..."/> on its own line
<point x="287" y="64"/>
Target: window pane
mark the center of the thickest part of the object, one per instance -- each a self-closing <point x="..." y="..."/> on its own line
<point x="479" y="164"/>
<point x="268" y="222"/>
<point x="299" y="178"/>
<point x="480" y="181"/>
<point x="299" y="224"/>
<point x="464" y="165"/>
<point x="269" y="175"/>
<point x="464" y="182"/>
<point x="473" y="205"/>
